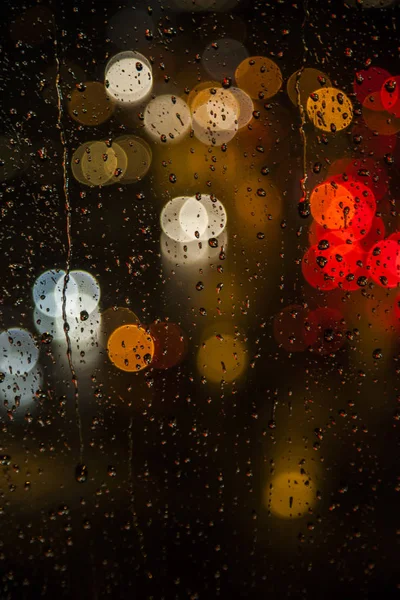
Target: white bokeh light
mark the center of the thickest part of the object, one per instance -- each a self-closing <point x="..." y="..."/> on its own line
<point x="246" y="106"/>
<point x="216" y="214"/>
<point x="129" y="78"/>
<point x="20" y="390"/>
<point x="167" y="118"/>
<point x="182" y="226"/>
<point x="48" y="293"/>
<point x="18" y="352"/>
<point x="88" y="291"/>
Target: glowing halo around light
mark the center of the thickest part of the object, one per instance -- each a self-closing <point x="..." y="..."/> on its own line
<point x="215" y="114"/>
<point x="167" y="118"/>
<point x="217" y="217"/>
<point x="222" y="358"/>
<point x="130" y="348"/>
<point x="246" y="106"/>
<point x="309" y="80"/>
<point x="88" y="291"/>
<point x="329" y="109"/>
<point x="259" y="77"/>
<point x="128" y="77"/>
<point x="18" y="351"/>
<point x="139" y="157"/>
<point x="98" y="163"/>
<point x="48" y="293"/>
<point x="19" y="391"/>
<point x="182" y="217"/>
<point x="290" y="495"/>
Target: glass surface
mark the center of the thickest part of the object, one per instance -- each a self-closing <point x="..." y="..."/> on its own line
<point x="199" y="299"/>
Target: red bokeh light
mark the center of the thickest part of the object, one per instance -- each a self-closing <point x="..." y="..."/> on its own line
<point x="325" y="330"/>
<point x="383" y="263"/>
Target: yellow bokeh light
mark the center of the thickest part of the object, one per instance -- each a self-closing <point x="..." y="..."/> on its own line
<point x="291" y="494"/>
<point x="130" y="348"/>
<point x="222" y="358"/>
<point x="330" y="109"/>
<point x="91" y="106"/>
<point x="309" y="81"/>
<point x="259" y="77"/>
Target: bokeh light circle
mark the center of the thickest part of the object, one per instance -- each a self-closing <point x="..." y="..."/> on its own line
<point x="48" y="293"/>
<point x="330" y="109"/>
<point x="259" y="77"/>
<point x="130" y="348"/>
<point x="222" y="358"/>
<point x="19" y="353"/>
<point x="291" y="494"/>
<point x="128" y="77"/>
<point x="167" y="118"/>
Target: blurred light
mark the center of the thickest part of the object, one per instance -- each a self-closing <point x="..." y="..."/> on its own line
<point x="139" y="157"/>
<point x="381" y="121"/>
<point x="259" y="77"/>
<point x="289" y="326"/>
<point x="370" y="143"/>
<point x="222" y="56"/>
<point x="88" y="291"/>
<point x="390" y="95"/>
<point x="325" y="330"/>
<point x="91" y="106"/>
<point x="368" y="81"/>
<point x="170" y="345"/>
<point x="128" y="77"/>
<point x="188" y="254"/>
<point x="384" y="263"/>
<point x="374" y="235"/>
<point x="48" y="293"/>
<point x="182" y="217"/>
<point x="19" y="391"/>
<point x="216" y="213"/>
<point x="347" y="207"/>
<point x="115" y="317"/>
<point x="130" y="348"/>
<point x="167" y="118"/>
<point x="367" y="172"/>
<point x="309" y="80"/>
<point x="18" y="352"/>
<point x="258" y="205"/>
<point x="291" y="494"/>
<point x="222" y="357"/>
<point x="215" y="113"/>
<point x="246" y="106"/>
<point x="182" y="254"/>
<point x="330" y="109"/>
<point x="98" y="163"/>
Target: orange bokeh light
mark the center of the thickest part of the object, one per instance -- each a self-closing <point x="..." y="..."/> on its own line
<point x="130" y="348"/>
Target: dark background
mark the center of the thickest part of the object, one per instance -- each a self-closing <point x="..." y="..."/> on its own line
<point x="184" y="515"/>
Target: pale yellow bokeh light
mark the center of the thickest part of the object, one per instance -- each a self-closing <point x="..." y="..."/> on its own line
<point x="259" y="77"/>
<point x="222" y="357"/>
<point x="290" y="495"/>
<point x="330" y="109"/>
<point x="139" y="157"/>
<point x="99" y="163"/>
